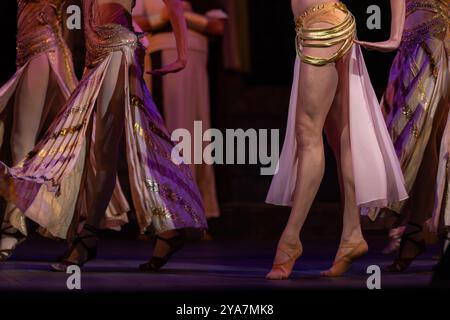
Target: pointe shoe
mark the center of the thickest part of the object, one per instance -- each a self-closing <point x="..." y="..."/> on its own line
<point x="282" y="271"/>
<point x="341" y="265"/>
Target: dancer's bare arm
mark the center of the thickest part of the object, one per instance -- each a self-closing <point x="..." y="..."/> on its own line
<point x="204" y="24"/>
<point x="397" y="25"/>
<point x="176" y="14"/>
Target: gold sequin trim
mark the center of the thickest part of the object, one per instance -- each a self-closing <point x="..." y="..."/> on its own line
<point x="433" y="66"/>
<point x="168" y="193"/>
<point x="415" y="131"/>
<point x="152" y="186"/>
<point x="53" y="151"/>
<point x="141" y="132"/>
<point x="66" y="131"/>
<point x="75" y="110"/>
<point x="164" y="213"/>
<point x="139" y="103"/>
<point x="407" y="112"/>
<point x="160" y="151"/>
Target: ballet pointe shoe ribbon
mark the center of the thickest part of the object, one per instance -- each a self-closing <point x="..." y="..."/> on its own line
<point x="282" y="271"/>
<point x="341" y="265"/>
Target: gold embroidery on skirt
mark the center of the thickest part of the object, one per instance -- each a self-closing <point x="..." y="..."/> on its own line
<point x="168" y="193"/>
<point x="407" y="112"/>
<point x="162" y="153"/>
<point x="139" y="103"/>
<point x="433" y="67"/>
<point x="163" y="213"/>
<point x="74" y="110"/>
<point x="54" y="151"/>
<point x="70" y="130"/>
<point x="152" y="186"/>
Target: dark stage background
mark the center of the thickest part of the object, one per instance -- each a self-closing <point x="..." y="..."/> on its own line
<point x="255" y="99"/>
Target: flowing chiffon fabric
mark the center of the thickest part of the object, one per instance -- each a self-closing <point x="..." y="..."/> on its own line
<point x="38" y="35"/>
<point x="185" y="98"/>
<point x="416" y="107"/>
<point x="378" y="176"/>
<point x="441" y="210"/>
<point x="164" y="195"/>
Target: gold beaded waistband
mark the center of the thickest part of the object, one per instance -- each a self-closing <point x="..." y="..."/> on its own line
<point x="436" y="6"/>
<point x="434" y="28"/>
<point x="343" y="32"/>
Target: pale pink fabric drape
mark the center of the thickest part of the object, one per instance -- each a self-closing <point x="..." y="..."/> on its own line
<point x="378" y="176"/>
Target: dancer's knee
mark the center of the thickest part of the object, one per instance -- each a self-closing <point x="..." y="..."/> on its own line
<point x="307" y="133"/>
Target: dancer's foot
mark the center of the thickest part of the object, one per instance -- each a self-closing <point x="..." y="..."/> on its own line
<point x="288" y="251"/>
<point x="411" y="246"/>
<point x="347" y="254"/>
<point x="10" y="239"/>
<point x="395" y="237"/>
<point x="82" y="250"/>
<point x="167" y="244"/>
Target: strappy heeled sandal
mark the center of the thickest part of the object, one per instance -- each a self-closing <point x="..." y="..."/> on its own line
<point x="91" y="251"/>
<point x="395" y="238"/>
<point x="10" y="232"/>
<point x="341" y="265"/>
<point x="175" y="244"/>
<point x="401" y="264"/>
<point x="282" y="271"/>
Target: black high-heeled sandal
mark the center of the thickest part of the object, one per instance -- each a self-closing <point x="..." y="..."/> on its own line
<point x="91" y="251"/>
<point x="175" y="244"/>
<point x="11" y="232"/>
<point x="401" y="264"/>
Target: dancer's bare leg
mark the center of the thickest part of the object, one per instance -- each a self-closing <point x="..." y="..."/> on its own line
<point x="337" y="129"/>
<point x="317" y="87"/>
<point x="29" y="104"/>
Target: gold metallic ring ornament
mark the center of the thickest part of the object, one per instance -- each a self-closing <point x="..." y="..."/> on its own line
<point x="344" y="32"/>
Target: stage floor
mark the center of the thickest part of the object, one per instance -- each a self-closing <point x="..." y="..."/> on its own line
<point x="215" y="265"/>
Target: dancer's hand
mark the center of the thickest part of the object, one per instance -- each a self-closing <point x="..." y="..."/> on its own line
<point x="170" y="68"/>
<point x="383" y="46"/>
<point x="215" y="27"/>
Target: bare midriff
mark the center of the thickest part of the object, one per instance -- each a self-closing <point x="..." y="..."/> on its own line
<point x="300" y="6"/>
<point x="114" y="11"/>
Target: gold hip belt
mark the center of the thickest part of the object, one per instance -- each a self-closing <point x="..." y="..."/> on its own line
<point x="343" y="31"/>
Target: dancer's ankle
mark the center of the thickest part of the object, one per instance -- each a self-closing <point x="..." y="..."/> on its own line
<point x="353" y="236"/>
<point x="290" y="238"/>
